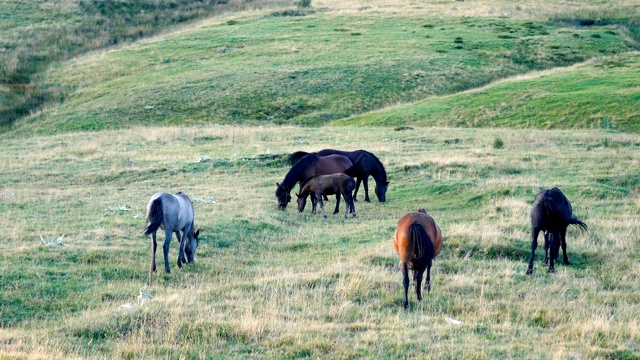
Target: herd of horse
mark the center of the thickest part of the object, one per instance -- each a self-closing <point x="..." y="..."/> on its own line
<point x="417" y="238"/>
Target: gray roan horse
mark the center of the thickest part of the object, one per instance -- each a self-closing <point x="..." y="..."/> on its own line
<point x="174" y="214"/>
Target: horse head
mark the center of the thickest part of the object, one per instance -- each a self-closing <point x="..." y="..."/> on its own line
<point x="191" y="246"/>
<point x="381" y="191"/>
<point x="302" y="202"/>
<point x="283" y="194"/>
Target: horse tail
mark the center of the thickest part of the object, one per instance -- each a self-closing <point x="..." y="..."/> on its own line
<point x="423" y="248"/>
<point x="575" y="221"/>
<point x="155" y="216"/>
<point x="296" y="156"/>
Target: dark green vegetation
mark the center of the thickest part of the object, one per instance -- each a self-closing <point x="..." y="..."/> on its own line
<point x="282" y="284"/>
<point x="35" y="34"/>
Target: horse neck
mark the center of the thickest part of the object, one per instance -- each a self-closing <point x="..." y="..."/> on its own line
<point x="291" y="178"/>
<point x="306" y="189"/>
<point x="378" y="172"/>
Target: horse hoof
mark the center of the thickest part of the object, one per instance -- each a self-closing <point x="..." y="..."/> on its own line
<point x="325" y="216"/>
<point x="552" y="270"/>
<point x="567" y="263"/>
<point x="529" y="271"/>
<point x="406" y="305"/>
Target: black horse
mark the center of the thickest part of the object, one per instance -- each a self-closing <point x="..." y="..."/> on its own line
<point x="365" y="164"/>
<point x="551" y="213"/>
<point x="308" y="167"/>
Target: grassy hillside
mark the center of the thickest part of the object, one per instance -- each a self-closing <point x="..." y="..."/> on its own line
<point x="306" y="69"/>
<point x="288" y="285"/>
<point x="599" y="94"/>
<point x="35" y="34"/>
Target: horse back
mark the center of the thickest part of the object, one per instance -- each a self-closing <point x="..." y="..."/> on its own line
<point x="551" y="210"/>
<point x="403" y="242"/>
<point x="332" y="164"/>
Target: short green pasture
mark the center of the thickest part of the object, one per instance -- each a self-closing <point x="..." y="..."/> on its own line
<point x="286" y="285"/>
<point x="305" y="69"/>
<point x="603" y="93"/>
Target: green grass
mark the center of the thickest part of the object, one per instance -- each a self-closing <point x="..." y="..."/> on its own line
<point x="36" y="34"/>
<point x="600" y="94"/>
<point x="304" y="69"/>
<point x="282" y="284"/>
<point x="100" y="133"/>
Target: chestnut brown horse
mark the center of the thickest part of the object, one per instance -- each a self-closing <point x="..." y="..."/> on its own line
<point x="308" y="167"/>
<point x="418" y="240"/>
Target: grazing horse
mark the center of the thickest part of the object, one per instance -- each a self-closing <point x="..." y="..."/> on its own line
<point x="364" y="164"/>
<point x="173" y="213"/>
<point x="552" y="214"/>
<point x="418" y="240"/>
<point x="328" y="185"/>
<point x="309" y="166"/>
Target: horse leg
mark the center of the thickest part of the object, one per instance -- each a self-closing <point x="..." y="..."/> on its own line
<point x="350" y="208"/>
<point x="337" y="210"/>
<point x="546" y="248"/>
<point x="554" y="251"/>
<point x="324" y="213"/>
<point x="355" y="193"/>
<point x="405" y="282"/>
<point x="534" y="245"/>
<point x="183" y="244"/>
<point x="565" y="257"/>
<point x="352" y="205"/>
<point x="165" y="248"/>
<point x="154" y="245"/>
<point x="314" y="203"/>
<point x="365" y="183"/>
<point x="427" y="284"/>
<point x="418" y="274"/>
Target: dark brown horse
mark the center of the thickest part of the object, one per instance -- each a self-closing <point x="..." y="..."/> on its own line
<point x="551" y="213"/>
<point x="418" y="240"/>
<point x="328" y="185"/>
<point x="309" y="166"/>
<point x="365" y="164"/>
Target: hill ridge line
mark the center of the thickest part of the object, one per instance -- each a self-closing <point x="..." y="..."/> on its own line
<point x="526" y="76"/>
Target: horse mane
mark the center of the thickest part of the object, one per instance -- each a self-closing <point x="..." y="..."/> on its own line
<point x="424" y="251"/>
<point x="296" y="156"/>
<point x="305" y="185"/>
<point x="297" y="168"/>
<point x="379" y="166"/>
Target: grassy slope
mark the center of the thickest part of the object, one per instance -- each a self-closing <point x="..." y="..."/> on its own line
<point x="305" y="70"/>
<point x="275" y="284"/>
<point x="599" y="94"/>
<point x="36" y="34"/>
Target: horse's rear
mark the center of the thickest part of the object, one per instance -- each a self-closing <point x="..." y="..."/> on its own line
<point x="174" y="214"/>
<point x="417" y="240"/>
<point x="551" y="213"/>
